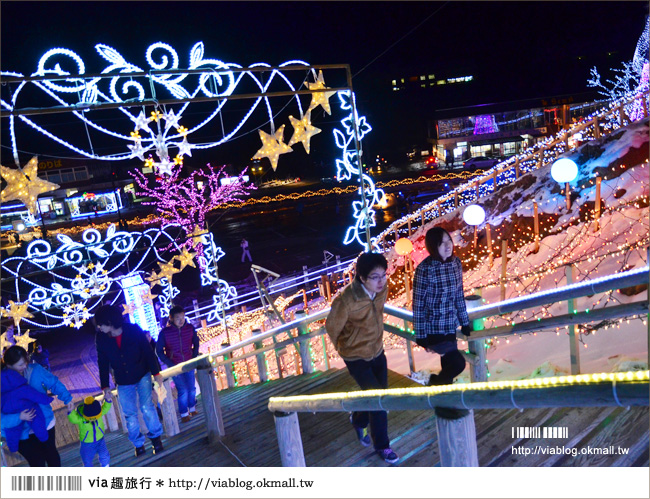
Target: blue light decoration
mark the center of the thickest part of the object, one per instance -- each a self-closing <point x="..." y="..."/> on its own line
<point x="81" y="275"/>
<point x="132" y="82"/>
<point x="143" y="314"/>
<point x="350" y="164"/>
<point x="210" y="275"/>
<point x="166" y="300"/>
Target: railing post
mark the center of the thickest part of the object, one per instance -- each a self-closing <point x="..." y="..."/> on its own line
<point x="211" y="404"/>
<point x="325" y="359"/>
<point x="305" y="356"/>
<point x="536" y="225"/>
<point x="574" y="340"/>
<point x="504" y="267"/>
<point x="457" y="441"/>
<point x="287" y="429"/>
<point x="621" y="114"/>
<point x="517" y="171"/>
<point x="645" y="106"/>
<point x="230" y="378"/>
<point x="408" y="220"/>
<point x="168" y="409"/>
<point x="477" y="368"/>
<point x="409" y="349"/>
<point x="261" y="358"/>
<point x="597" y="205"/>
<point x="596" y="128"/>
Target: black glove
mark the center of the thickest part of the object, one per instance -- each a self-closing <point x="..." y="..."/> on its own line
<point x="466" y="330"/>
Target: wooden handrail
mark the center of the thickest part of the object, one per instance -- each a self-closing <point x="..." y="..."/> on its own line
<point x="584" y="390"/>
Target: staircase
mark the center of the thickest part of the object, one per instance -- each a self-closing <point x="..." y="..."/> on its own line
<point x="328" y="439"/>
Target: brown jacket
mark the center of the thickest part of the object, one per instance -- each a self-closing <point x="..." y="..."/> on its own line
<point x="355" y="323"/>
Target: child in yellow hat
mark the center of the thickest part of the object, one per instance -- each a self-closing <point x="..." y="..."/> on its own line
<point x="88" y="417"/>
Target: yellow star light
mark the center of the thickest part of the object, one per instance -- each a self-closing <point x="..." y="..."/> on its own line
<point x="303" y="130"/>
<point x="128" y="308"/>
<point x="168" y="270"/>
<point x="272" y="147"/>
<point x="186" y="258"/>
<point x="4" y="342"/>
<point x="24" y="340"/>
<point x="320" y="98"/>
<point x="24" y="185"/>
<point x="18" y="311"/>
<point x="148" y="297"/>
<point x="153" y="277"/>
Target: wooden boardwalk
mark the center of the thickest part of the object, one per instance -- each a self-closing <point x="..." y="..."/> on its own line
<point x="328" y="439"/>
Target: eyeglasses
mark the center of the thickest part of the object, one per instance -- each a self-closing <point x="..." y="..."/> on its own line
<point x="380" y="277"/>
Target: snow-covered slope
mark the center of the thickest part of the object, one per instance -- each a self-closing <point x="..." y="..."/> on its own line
<point x="619" y="243"/>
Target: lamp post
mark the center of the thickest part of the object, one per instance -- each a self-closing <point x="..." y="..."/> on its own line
<point x="564" y="171"/>
<point x="404" y="247"/>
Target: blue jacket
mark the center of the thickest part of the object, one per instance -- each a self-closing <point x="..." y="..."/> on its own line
<point x="41" y="380"/>
<point x="130" y="362"/>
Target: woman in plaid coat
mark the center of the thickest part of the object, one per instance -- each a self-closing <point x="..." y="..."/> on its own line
<point x="439" y="305"/>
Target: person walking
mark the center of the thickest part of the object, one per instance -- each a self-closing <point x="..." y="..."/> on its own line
<point x="36" y="452"/>
<point x="41" y="355"/>
<point x="88" y="417"/>
<point x="123" y="347"/>
<point x="439" y="305"/>
<point x="356" y="327"/>
<point x="244" y="251"/>
<point x="177" y="343"/>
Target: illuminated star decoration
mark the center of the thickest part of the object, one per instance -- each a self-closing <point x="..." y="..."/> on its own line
<point x="153" y="277"/>
<point x="142" y="122"/>
<point x="24" y="185"/>
<point x="272" y="147"/>
<point x="128" y="308"/>
<point x="17" y="311"/>
<point x="148" y="297"/>
<point x="303" y="130"/>
<point x="167" y="270"/>
<point x="75" y="315"/>
<point x="24" y="340"/>
<point x="137" y="149"/>
<point x="4" y="342"/>
<point x="186" y="258"/>
<point x="320" y="98"/>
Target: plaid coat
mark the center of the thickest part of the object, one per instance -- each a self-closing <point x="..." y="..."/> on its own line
<point x="438" y="300"/>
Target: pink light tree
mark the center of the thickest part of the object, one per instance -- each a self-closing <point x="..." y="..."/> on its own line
<point x="187" y="201"/>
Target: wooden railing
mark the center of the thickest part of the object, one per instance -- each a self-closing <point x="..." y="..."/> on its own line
<point x="538" y="156"/>
<point x="208" y="363"/>
<point x="457" y="437"/>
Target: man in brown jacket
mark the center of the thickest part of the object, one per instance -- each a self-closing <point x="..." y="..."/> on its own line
<point x="355" y="325"/>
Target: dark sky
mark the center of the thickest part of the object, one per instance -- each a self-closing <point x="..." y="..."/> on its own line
<point x="515" y="50"/>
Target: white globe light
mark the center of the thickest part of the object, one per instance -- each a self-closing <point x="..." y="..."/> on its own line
<point x="474" y="215"/>
<point x="564" y="170"/>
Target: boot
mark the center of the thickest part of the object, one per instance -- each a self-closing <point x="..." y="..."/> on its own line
<point x="157" y="445"/>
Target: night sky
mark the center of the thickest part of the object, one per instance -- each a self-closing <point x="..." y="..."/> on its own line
<point x="514" y="50"/>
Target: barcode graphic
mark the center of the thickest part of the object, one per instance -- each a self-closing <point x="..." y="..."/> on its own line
<point x="46" y="483"/>
<point x="537" y="432"/>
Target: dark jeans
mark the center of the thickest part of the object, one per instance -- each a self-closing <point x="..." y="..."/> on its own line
<point x="38" y="453"/>
<point x="452" y="363"/>
<point x="371" y="375"/>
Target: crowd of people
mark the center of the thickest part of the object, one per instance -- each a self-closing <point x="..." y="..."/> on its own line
<point x="354" y="325"/>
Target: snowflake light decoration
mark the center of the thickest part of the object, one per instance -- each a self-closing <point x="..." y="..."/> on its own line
<point x="75" y="315"/>
<point x="122" y="81"/>
<point x="350" y="164"/>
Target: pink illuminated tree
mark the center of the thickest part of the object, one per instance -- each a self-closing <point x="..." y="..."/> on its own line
<point x="186" y="201"/>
